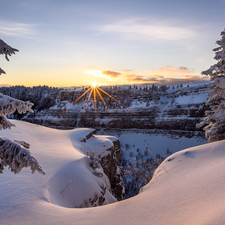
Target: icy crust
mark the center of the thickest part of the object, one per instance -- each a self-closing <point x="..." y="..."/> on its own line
<point x="188" y="187"/>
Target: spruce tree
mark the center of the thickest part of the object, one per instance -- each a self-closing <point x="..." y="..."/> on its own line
<point x="14" y="154"/>
<point x="215" y="117"/>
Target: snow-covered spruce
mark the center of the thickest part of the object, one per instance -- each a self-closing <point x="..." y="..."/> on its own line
<point x="215" y="120"/>
<point x="16" y="155"/>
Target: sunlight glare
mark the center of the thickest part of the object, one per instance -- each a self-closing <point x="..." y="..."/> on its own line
<point x="94" y="84"/>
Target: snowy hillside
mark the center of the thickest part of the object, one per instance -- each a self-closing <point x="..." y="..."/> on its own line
<point x="150" y="107"/>
<point x="187" y="188"/>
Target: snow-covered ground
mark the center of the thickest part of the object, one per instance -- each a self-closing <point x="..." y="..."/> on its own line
<point x="187" y="188"/>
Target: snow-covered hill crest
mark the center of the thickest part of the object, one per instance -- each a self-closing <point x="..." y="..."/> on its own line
<point x="187" y="188"/>
<point x="68" y="170"/>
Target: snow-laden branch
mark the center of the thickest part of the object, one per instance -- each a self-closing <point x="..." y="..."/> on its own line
<point x="6" y="49"/>
<point x="2" y="71"/>
<point x="14" y="155"/>
<point x="5" y="123"/>
<point x="9" y="105"/>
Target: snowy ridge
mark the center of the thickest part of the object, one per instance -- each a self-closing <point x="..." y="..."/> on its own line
<point x="188" y="187"/>
<point x="67" y="169"/>
<point x="169" y="108"/>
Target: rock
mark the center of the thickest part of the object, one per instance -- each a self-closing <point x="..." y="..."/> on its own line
<point x="111" y="164"/>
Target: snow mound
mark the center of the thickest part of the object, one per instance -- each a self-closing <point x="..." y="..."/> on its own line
<point x="74" y="187"/>
<point x="69" y="180"/>
<point x="187" y="188"/>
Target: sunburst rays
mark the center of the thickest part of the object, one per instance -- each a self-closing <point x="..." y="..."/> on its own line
<point x="94" y="90"/>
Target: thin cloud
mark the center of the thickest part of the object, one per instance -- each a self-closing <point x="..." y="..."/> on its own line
<point x="150" y="80"/>
<point x="5" y="85"/>
<point x="201" y="60"/>
<point x="107" y="74"/>
<point x="139" y="78"/>
<point x="172" y="70"/>
<point x="111" y="73"/>
<point x="15" y="29"/>
<point x="140" y="29"/>
<point x="128" y="70"/>
<point x="166" y="75"/>
<point x="157" y="76"/>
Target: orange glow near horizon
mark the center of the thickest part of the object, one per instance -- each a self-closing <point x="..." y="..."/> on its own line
<point x="112" y="98"/>
<point x="94" y="84"/>
<point x="96" y="91"/>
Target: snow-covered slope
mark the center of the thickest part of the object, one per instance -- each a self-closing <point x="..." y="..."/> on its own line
<point x="69" y="181"/>
<point x="188" y="187"/>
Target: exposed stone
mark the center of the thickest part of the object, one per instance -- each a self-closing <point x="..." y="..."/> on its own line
<point x="111" y="164"/>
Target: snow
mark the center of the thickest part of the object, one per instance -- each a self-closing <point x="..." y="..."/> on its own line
<point x="187" y="188"/>
<point x="192" y="99"/>
<point x="138" y="104"/>
<point x="156" y="142"/>
<point x="98" y="143"/>
<point x="199" y="83"/>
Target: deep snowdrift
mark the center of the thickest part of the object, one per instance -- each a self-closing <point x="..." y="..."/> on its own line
<point x="188" y="187"/>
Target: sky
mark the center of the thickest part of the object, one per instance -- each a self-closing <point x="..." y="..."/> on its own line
<point x="64" y="43"/>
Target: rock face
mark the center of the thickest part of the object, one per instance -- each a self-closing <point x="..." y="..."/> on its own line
<point x="111" y="164"/>
<point x="110" y="161"/>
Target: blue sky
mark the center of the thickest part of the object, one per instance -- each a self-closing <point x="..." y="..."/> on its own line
<point x="69" y="43"/>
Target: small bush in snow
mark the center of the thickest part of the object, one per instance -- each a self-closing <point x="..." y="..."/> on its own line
<point x="141" y="172"/>
<point x="127" y="146"/>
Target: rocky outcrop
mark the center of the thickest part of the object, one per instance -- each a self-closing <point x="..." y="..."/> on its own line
<point x="110" y="161"/>
<point x="111" y="164"/>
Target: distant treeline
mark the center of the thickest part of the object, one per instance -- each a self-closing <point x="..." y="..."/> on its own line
<point x="43" y="97"/>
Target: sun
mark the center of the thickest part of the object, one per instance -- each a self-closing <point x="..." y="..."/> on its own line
<point x="94" y="84"/>
<point x="94" y="91"/>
